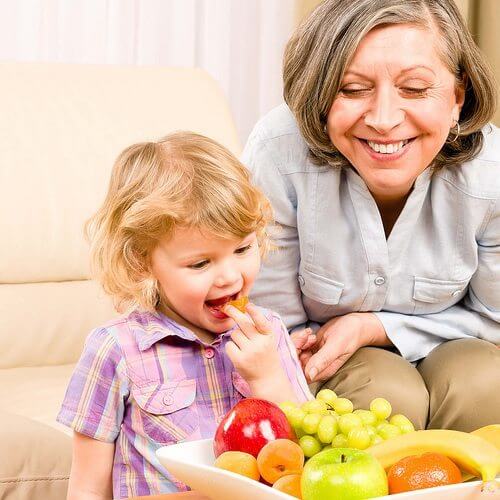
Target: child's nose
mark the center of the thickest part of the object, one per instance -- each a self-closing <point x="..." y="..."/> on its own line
<point x="227" y="276"/>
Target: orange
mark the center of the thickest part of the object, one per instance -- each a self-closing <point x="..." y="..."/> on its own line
<point x="422" y="471"/>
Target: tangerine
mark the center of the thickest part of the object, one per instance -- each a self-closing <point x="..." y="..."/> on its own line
<point x="417" y="472"/>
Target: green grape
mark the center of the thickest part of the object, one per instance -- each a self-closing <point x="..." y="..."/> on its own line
<point x="349" y="421"/>
<point x="358" y="438"/>
<point x="295" y="417"/>
<point x="327" y="447"/>
<point x="343" y="406"/>
<point x="376" y="439"/>
<point x="311" y="422"/>
<point x="366" y="416"/>
<point x="371" y="430"/>
<point x="327" y="395"/>
<point x="315" y="406"/>
<point x="402" y="422"/>
<point x="389" y="431"/>
<point x="380" y="424"/>
<point x="339" y="441"/>
<point x="287" y="406"/>
<point x="310" y="446"/>
<point x="299" y="432"/>
<point x="327" y="428"/>
<point x="381" y="408"/>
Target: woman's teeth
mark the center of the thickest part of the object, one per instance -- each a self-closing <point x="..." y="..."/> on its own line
<point x="387" y="148"/>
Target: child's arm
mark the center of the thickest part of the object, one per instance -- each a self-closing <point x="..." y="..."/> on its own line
<point x="91" y="468"/>
<point x="253" y="352"/>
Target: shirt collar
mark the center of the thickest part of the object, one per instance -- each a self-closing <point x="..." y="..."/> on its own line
<point x="153" y="327"/>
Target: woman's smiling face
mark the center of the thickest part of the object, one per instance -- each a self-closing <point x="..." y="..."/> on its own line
<point x="395" y="107"/>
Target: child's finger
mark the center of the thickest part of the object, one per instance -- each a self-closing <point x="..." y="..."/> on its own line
<point x="242" y="320"/>
<point x="239" y="338"/>
<point x="310" y="341"/>
<point x="260" y="321"/>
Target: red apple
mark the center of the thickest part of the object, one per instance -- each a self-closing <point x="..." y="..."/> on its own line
<point x="249" y="425"/>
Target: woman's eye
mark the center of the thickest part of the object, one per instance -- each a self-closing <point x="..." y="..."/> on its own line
<point x="199" y="265"/>
<point x="354" y="92"/>
<point x="415" y="90"/>
<point x="243" y="249"/>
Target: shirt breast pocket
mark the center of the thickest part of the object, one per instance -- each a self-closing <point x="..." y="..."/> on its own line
<point x="434" y="295"/>
<point x="167" y="410"/>
<point x="320" y="295"/>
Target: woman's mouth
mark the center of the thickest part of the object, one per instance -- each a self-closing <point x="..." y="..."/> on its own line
<point x="215" y="306"/>
<point x="387" y="151"/>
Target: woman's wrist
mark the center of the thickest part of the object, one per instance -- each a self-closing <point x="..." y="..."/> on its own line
<point x="372" y="331"/>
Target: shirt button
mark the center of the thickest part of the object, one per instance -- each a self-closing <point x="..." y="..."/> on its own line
<point x="209" y="353"/>
<point x="379" y="280"/>
<point x="456" y="293"/>
<point x="168" y="400"/>
<point x="302" y="281"/>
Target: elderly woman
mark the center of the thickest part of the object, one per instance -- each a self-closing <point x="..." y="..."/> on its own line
<point x="384" y="175"/>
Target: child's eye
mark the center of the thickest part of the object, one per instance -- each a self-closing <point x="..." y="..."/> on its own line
<point x="199" y="265"/>
<point x="243" y="249"/>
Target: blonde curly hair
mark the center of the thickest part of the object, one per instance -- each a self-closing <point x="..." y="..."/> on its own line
<point x="182" y="180"/>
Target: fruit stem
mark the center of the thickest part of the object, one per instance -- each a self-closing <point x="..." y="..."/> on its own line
<point x="343" y="459"/>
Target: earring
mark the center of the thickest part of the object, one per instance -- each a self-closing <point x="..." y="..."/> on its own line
<point x="456" y="133"/>
<point x="325" y="130"/>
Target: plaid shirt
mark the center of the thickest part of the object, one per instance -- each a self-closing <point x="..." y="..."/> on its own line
<point x="143" y="381"/>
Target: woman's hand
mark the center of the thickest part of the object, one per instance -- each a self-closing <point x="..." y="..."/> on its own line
<point x="339" y="339"/>
<point x="253" y="352"/>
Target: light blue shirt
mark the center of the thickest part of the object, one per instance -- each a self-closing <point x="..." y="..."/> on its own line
<point x="437" y="276"/>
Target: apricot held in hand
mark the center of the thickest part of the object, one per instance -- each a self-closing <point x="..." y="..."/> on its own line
<point x="280" y="458"/>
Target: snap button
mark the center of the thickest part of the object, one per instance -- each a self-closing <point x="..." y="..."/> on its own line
<point x="209" y="353"/>
<point x="456" y="293"/>
<point x="301" y="280"/>
<point x="379" y="280"/>
<point x="168" y="400"/>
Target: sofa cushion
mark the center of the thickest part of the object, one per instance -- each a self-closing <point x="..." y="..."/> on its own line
<point x="35" y="392"/>
<point x="35" y="461"/>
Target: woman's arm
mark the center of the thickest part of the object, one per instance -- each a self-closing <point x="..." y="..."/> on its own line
<point x="91" y="469"/>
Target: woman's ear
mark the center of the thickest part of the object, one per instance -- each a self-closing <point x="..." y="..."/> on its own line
<point x="460" y="88"/>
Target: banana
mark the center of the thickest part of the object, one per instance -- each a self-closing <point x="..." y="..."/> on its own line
<point x="471" y="453"/>
<point x="491" y="433"/>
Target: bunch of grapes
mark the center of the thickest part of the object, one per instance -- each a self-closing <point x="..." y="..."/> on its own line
<point x="332" y="422"/>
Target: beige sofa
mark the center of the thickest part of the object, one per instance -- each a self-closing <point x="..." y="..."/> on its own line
<point x="61" y="126"/>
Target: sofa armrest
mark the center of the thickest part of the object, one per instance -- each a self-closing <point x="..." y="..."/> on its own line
<point x="35" y="459"/>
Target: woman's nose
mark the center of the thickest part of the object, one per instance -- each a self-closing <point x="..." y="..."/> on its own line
<point x="385" y="112"/>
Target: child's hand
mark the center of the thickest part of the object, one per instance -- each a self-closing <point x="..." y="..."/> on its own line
<point x="252" y="348"/>
<point x="304" y="342"/>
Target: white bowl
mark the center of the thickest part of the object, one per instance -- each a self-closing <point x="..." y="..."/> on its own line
<point x="192" y="463"/>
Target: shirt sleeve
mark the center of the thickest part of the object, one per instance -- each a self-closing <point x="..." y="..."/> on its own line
<point x="277" y="286"/>
<point x="95" y="397"/>
<point x="478" y="315"/>
<point x="290" y="361"/>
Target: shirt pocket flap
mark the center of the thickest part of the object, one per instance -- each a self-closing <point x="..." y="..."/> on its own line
<point x="241" y="385"/>
<point x="161" y="399"/>
<point x="324" y="290"/>
<point x="433" y="290"/>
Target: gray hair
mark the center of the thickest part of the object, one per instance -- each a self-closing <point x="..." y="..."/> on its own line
<point x="321" y="48"/>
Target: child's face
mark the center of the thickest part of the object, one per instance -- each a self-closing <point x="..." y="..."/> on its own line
<point x="199" y="273"/>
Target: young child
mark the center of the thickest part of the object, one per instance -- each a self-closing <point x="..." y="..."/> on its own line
<point x="180" y="234"/>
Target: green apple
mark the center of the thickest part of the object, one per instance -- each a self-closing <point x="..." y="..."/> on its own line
<point x="344" y="473"/>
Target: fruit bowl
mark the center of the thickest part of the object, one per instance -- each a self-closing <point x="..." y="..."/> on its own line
<point x="192" y="463"/>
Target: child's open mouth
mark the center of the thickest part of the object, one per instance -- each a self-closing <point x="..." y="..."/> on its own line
<point x="215" y="306"/>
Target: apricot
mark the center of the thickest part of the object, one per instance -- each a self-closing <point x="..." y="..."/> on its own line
<point x="239" y="303"/>
<point x="239" y="462"/>
<point x="280" y="458"/>
<point x="289" y="484"/>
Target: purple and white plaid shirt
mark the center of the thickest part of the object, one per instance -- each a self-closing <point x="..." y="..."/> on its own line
<point x="143" y="381"/>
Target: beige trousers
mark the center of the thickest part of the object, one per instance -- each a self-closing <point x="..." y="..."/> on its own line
<point x="457" y="386"/>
